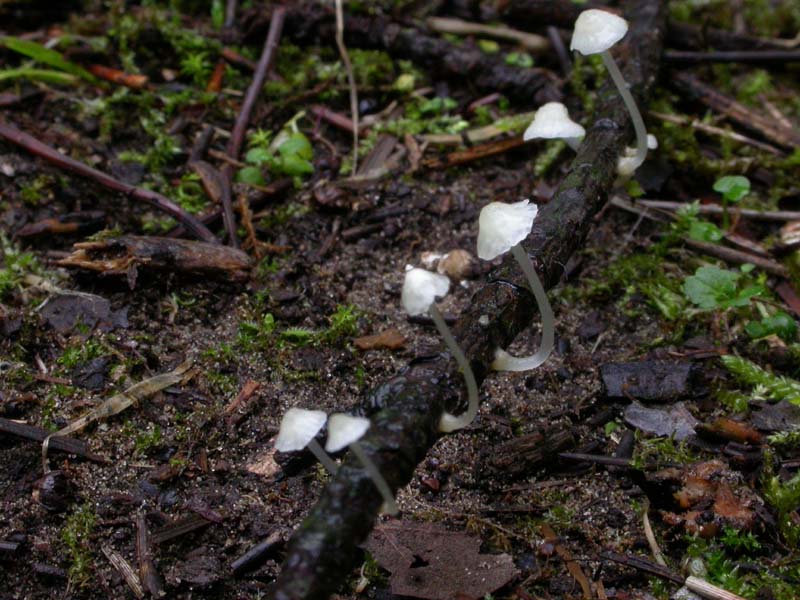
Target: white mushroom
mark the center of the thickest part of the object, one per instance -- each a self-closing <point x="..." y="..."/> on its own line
<point x="501" y="227"/>
<point x="346" y="430"/>
<point x="298" y="429"/>
<point x="595" y="32"/>
<point x="420" y="290"/>
<point x="552" y="122"/>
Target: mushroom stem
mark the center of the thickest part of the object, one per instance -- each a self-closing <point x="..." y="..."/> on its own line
<point x="450" y="422"/>
<point x="503" y="361"/>
<point x="389" y="503"/>
<point x="630" y="104"/>
<point x="322" y="456"/>
<point x="573" y="142"/>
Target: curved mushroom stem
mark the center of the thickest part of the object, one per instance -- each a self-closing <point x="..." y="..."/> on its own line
<point x="573" y="142"/>
<point x="450" y="422"/>
<point x="503" y="361"/>
<point x="322" y="456"/>
<point x="389" y="503"/>
<point x="630" y="104"/>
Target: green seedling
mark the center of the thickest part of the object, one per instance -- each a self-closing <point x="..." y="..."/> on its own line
<point x="713" y="288"/>
<point x="780" y="324"/>
<point x="688" y="223"/>
<point x="733" y="188"/>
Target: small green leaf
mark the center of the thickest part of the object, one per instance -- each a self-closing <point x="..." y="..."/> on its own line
<point x="47" y="56"/>
<point x="519" y="59"/>
<point x="293" y="165"/>
<point x="732" y="187"/>
<point x="44" y="75"/>
<point x="257" y="156"/>
<point x="704" y="231"/>
<point x="711" y="287"/>
<point x="488" y="46"/>
<point x="250" y="175"/>
<point x="297" y="145"/>
<point x="780" y="324"/>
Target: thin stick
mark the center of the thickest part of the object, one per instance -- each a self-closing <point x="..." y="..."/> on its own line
<point x="651" y="538"/>
<point x="236" y="140"/>
<point x="531" y="41"/>
<point x="779" y="216"/>
<point x="740" y="56"/>
<point x="53" y="156"/>
<point x="351" y="80"/>
<point x="727" y="254"/>
<point x="702" y="588"/>
<point x="712" y="130"/>
<point x="125" y="569"/>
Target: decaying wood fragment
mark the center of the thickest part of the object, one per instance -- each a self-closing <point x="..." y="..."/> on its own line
<point x="127" y="254"/>
<point x="736" y="111"/>
<point x="39" y="434"/>
<point x="178" y="528"/>
<point x="523" y="455"/>
<point x="119" y="402"/>
<point x="144" y="554"/>
<point x="125" y="569"/>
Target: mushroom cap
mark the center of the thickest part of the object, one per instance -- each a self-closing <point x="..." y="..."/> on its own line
<point x="596" y="31"/>
<point x="420" y="290"/>
<point x="298" y="428"/>
<point x="502" y="226"/>
<point x="552" y="122"/>
<point x="343" y="430"/>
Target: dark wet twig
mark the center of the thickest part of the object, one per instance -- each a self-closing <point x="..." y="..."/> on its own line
<point x="236" y="141"/>
<point x="777" y="57"/>
<point x="39" y="434"/>
<point x="311" y="22"/>
<point x="53" y="156"/>
<point x="405" y="410"/>
<point x="178" y="528"/>
<point x="768" y="128"/>
<point x="642" y="564"/>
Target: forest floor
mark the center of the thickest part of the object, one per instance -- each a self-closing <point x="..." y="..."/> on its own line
<point x="670" y="401"/>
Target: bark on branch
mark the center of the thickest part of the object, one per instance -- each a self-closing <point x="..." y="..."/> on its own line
<point x="406" y="409"/>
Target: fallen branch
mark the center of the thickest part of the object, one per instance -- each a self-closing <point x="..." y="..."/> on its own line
<point x="312" y="22"/>
<point x="531" y="41"/>
<point x="725" y="105"/>
<point x="405" y="411"/>
<point x="162" y="203"/>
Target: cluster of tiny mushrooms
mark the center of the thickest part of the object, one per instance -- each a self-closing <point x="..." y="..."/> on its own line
<point x="501" y="227"/>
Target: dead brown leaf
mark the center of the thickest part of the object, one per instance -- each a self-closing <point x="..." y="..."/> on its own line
<point x="428" y="561"/>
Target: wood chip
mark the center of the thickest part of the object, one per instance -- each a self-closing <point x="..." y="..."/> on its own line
<point x="390" y="339"/>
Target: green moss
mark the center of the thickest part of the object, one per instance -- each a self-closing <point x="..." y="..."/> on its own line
<point x="148" y="440"/>
<point x="75" y="535"/>
<point x="14" y="266"/>
<point x="661" y="450"/>
<point x="80" y="354"/>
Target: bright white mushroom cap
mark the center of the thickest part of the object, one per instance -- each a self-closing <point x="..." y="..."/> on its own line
<point x="343" y="430"/>
<point x="298" y="428"/>
<point x="596" y="31"/>
<point x="420" y="290"/>
<point x="502" y="226"/>
<point x="552" y="122"/>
